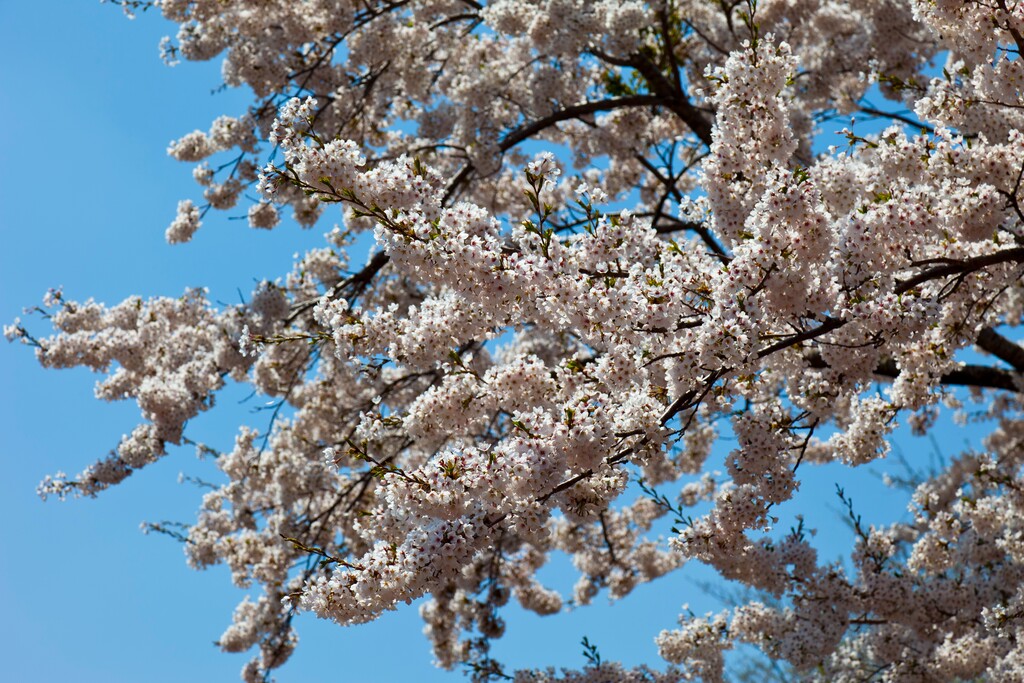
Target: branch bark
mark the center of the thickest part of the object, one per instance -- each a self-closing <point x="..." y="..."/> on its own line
<point x="355" y="284"/>
<point x="1002" y="348"/>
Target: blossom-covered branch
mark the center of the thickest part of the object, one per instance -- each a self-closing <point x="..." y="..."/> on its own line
<point x="605" y="232"/>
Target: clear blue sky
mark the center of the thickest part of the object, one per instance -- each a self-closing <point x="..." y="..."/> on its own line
<point x="87" y="112"/>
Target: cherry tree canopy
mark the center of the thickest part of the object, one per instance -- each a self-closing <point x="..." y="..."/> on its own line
<point x="516" y="359"/>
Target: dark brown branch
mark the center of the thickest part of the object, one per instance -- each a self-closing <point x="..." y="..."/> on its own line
<point x="829" y="325"/>
<point x="1002" y="348"/>
<point x="527" y="131"/>
<point x="691" y="398"/>
<point x="671" y="97"/>
<point x="666" y="42"/>
<point x="1015" y="255"/>
<point x="968" y="376"/>
<point x="355" y="284"/>
<point x="699" y="229"/>
<point x="878" y="113"/>
<point x="1014" y="33"/>
<point x="576" y="111"/>
<point x="981" y="376"/>
<point x="586" y="474"/>
<point x="607" y="540"/>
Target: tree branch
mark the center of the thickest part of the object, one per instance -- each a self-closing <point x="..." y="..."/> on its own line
<point x="356" y="283"/>
<point x="981" y="376"/>
<point x="574" y="112"/>
<point x="1015" y="255"/>
<point x="1002" y="348"/>
<point x="672" y="97"/>
<point x="514" y="137"/>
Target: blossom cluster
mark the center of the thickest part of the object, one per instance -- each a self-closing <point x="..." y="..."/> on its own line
<point x="536" y="337"/>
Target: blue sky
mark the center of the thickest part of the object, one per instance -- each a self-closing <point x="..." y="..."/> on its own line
<point x="87" y="112"/>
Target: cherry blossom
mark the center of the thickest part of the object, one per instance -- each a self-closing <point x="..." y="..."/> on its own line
<point x="605" y="233"/>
